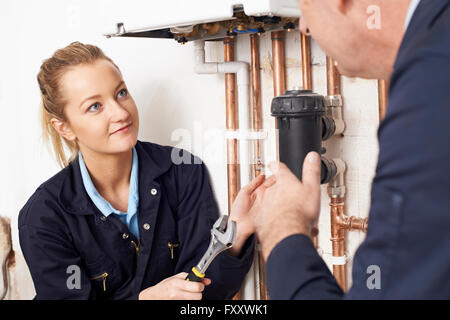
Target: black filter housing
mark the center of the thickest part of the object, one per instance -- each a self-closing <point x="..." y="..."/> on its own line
<point x="300" y="129"/>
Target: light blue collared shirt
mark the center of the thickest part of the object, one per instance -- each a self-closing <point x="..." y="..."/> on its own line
<point x="412" y="8"/>
<point x="129" y="217"/>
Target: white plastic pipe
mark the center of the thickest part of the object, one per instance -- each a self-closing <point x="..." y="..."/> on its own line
<point x="242" y="71"/>
<point x="243" y="85"/>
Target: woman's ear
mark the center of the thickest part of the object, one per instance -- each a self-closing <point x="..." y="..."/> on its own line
<point x="63" y="129"/>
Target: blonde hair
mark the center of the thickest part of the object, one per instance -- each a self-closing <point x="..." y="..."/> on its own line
<point x="52" y="101"/>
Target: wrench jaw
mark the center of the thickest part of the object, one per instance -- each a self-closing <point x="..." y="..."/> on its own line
<point x="232" y="238"/>
<point x="223" y="236"/>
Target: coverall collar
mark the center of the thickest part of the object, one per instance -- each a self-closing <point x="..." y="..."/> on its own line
<point x="74" y="198"/>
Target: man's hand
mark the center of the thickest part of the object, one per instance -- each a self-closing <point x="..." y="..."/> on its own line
<point x="241" y="213"/>
<point x="285" y="206"/>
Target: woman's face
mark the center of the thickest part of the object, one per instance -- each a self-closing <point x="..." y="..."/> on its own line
<point x="99" y="104"/>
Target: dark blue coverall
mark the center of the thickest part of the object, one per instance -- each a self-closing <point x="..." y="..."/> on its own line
<point x="60" y="227"/>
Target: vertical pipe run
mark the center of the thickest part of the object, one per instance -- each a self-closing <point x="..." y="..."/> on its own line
<point x="383" y="88"/>
<point x="257" y="126"/>
<point x="333" y="78"/>
<point x="307" y="85"/>
<point x="231" y="124"/>
<point x="279" y="63"/>
<point x="338" y="240"/>
<point x="237" y="75"/>
<point x="279" y="69"/>
<point x="306" y="61"/>
<point x="233" y="168"/>
<point x="340" y="222"/>
<point x="337" y="203"/>
<point x="256" y="101"/>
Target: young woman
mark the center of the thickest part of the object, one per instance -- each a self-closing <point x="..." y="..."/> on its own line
<point x="120" y="220"/>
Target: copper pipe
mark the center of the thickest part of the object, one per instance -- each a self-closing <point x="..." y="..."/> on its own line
<point x="279" y="70"/>
<point x="233" y="168"/>
<point x="338" y="240"/>
<point x="383" y="88"/>
<point x="333" y="78"/>
<point x="306" y="61"/>
<point x="337" y="202"/>
<point x="279" y="63"/>
<point x="307" y="85"/>
<point x="340" y="223"/>
<point x="231" y="124"/>
<point x="256" y="101"/>
<point x="315" y="237"/>
<point x="257" y="126"/>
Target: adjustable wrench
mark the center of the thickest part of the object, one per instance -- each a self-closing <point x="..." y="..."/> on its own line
<point x="223" y="236"/>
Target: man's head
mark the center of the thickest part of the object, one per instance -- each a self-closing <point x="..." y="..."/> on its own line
<point x="363" y="36"/>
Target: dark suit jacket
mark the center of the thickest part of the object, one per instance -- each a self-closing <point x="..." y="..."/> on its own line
<point x="408" y="235"/>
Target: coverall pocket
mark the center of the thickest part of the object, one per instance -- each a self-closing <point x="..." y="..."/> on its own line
<point x="102" y="276"/>
<point x="167" y="255"/>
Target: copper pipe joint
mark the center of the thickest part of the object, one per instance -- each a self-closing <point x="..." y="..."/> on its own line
<point x="338" y="240"/>
<point x="340" y="223"/>
<point x="352" y="223"/>
<point x="346" y="222"/>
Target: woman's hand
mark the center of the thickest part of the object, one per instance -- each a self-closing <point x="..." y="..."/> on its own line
<point x="241" y="213"/>
<point x="175" y="288"/>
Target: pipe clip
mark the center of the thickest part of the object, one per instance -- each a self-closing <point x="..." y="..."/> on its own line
<point x="342" y="260"/>
<point x="337" y="261"/>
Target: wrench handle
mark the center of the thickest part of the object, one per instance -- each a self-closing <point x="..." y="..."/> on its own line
<point x="195" y="275"/>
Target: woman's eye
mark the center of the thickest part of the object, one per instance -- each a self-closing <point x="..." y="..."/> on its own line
<point x="91" y="108"/>
<point x="124" y="92"/>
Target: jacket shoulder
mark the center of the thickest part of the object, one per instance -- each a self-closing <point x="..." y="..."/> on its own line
<point x="43" y="203"/>
<point x="437" y="39"/>
<point x="151" y="146"/>
<point x="432" y="37"/>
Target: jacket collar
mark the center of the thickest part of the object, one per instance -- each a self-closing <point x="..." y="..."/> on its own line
<point x="154" y="160"/>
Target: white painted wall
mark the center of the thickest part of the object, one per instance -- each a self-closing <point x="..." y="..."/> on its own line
<point x="160" y="77"/>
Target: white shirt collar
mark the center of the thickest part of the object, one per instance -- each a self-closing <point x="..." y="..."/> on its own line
<point x="412" y="8"/>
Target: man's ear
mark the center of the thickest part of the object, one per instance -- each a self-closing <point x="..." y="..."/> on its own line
<point x="63" y="128"/>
